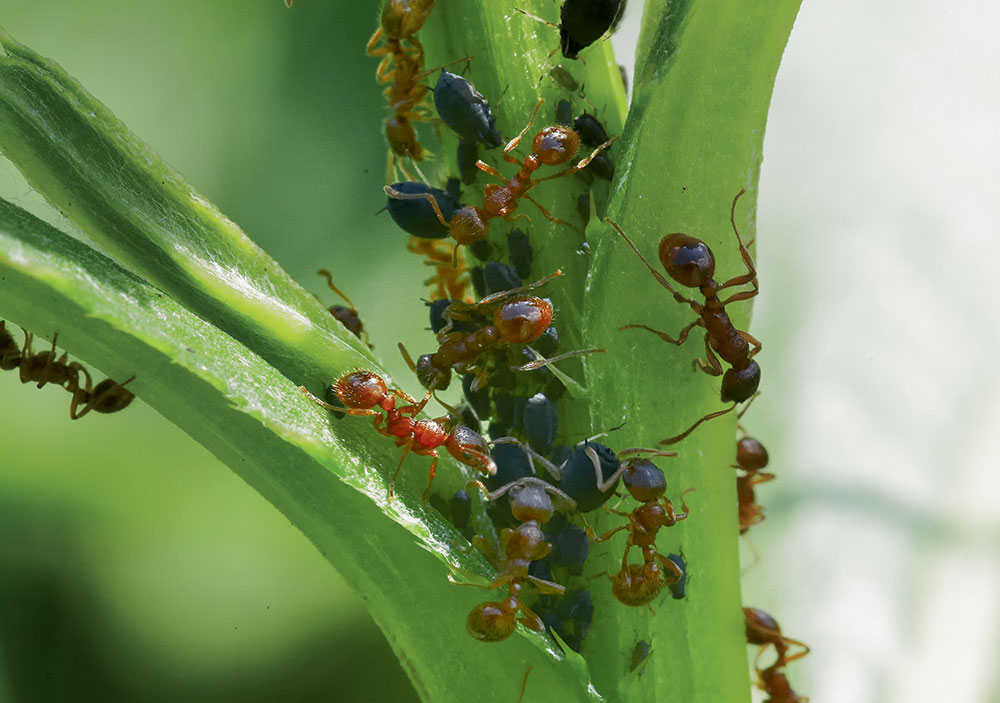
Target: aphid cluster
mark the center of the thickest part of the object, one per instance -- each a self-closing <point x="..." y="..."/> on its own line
<point x="44" y="368"/>
<point x="536" y="484"/>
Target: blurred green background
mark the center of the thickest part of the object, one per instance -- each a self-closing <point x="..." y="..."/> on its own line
<point x="133" y="565"/>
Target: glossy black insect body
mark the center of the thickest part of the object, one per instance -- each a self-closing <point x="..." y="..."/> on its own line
<point x="582" y="22"/>
<point x="465" y="110"/>
<point x="417" y="217"/>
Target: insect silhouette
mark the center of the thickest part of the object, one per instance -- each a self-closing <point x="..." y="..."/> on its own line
<point x="347" y="316"/>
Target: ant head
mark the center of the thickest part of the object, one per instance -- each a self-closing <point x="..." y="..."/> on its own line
<point x="431" y="376"/>
<point x="637" y="584"/>
<point x="687" y="259"/>
<point x="530" y="502"/>
<point x="739" y="385"/>
<point x="644" y="480"/>
<point x="109" y="397"/>
<point x="469" y="447"/>
<point x="360" y="389"/>
<point x="761" y="627"/>
<point x="349" y="318"/>
<point x="467" y="226"/>
<point x="751" y="454"/>
<point x="403" y="18"/>
<point x="522" y="319"/>
<point x="492" y="622"/>
<point x="555" y="145"/>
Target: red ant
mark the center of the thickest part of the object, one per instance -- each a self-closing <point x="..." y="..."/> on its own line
<point x="639" y="584"/>
<point x="450" y="277"/>
<point x="516" y="319"/>
<point x="551" y="146"/>
<point x="690" y="262"/>
<point x="365" y="393"/>
<point x="348" y="316"/>
<point x="43" y="367"/>
<point x="763" y="630"/>
<point x="532" y="508"/>
<point x="751" y="457"/>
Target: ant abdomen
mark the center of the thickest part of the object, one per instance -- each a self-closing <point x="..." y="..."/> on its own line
<point x="493" y="621"/>
<point x="687" y="259"/>
<point x="522" y="320"/>
<point x="739" y="384"/>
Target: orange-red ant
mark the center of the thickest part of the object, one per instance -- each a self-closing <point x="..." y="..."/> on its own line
<point x="551" y="146"/>
<point x="450" y="278"/>
<point x="639" y="584"/>
<point x="690" y="262"/>
<point x="751" y="457"/>
<point x="366" y="393"/>
<point x="532" y="508"/>
<point x="516" y="319"/>
<point x="348" y="316"/>
<point x="763" y="630"/>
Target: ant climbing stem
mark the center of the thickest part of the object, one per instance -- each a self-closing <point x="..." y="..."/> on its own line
<point x="366" y="393"/>
<point x="551" y="146"/>
<point x="691" y="263"/>
<point x="348" y="316"/>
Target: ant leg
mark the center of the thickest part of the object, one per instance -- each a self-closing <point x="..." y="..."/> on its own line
<point x="744" y="253"/>
<point x="329" y="281"/>
<point x="430" y="479"/>
<point x="395" y="194"/>
<point x="547" y="587"/>
<point x="49" y="358"/>
<point x="672" y="567"/>
<point x="407" y="444"/>
<point x="548" y="216"/>
<point x="743" y="295"/>
<point x="524" y="684"/>
<point x="695" y="305"/>
<point x="685" y="433"/>
<point x="677" y="517"/>
<point x="582" y="164"/>
<point x="757" y="346"/>
<point x="606" y="536"/>
<point x="499" y="295"/>
<point x="681" y="337"/>
<point x="541" y="361"/>
<point x="373" y="41"/>
<point x="81" y="395"/>
<point x="711" y="365"/>
<point x="512" y="144"/>
<point x="486" y="168"/>
<point x="529" y="619"/>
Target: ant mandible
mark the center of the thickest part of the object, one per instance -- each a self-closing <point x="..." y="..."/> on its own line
<point x="691" y="263"/>
<point x="551" y="146"/>
<point x="348" y="316"/>
<point x="531" y="506"/>
<point x="639" y="584"/>
<point x="365" y="393"/>
<point x="516" y="319"/>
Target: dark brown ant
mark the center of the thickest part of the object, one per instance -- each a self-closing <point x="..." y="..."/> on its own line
<point x="690" y="262"/>
<point x="348" y="316"/>
<point x="773" y="681"/>
<point x="639" y="584"/>
<point x="366" y="393"/>
<point x="43" y="368"/>
<point x="551" y="146"/>
<point x="516" y="319"/>
<point x="531" y="506"/>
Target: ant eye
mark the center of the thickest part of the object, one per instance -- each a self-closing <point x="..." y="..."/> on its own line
<point x="687" y="259"/>
<point x="522" y="320"/>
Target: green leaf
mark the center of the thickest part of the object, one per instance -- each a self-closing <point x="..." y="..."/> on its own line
<point x="326" y="476"/>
